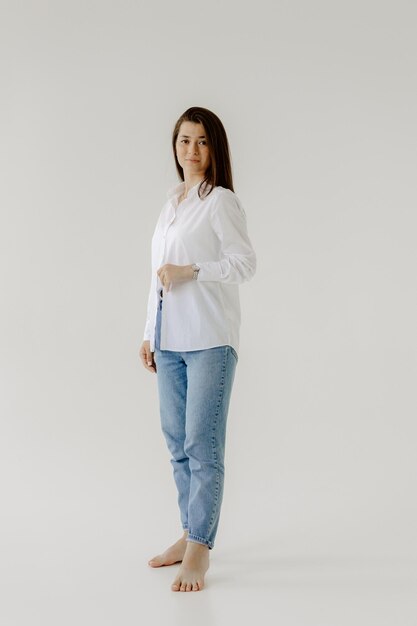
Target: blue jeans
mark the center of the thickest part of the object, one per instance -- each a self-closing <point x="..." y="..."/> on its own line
<point x="194" y="395"/>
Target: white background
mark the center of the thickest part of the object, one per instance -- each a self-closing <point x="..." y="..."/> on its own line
<point x="319" y="511"/>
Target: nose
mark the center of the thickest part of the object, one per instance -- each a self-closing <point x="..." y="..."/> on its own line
<point x="193" y="151"/>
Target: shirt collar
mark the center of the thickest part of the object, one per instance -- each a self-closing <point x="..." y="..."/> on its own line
<point x="174" y="192"/>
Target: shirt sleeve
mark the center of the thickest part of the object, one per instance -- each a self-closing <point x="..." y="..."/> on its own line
<point x="147" y="331"/>
<point x="238" y="258"/>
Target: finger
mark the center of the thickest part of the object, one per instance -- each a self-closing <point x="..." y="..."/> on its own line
<point x="151" y="368"/>
<point x="148" y="358"/>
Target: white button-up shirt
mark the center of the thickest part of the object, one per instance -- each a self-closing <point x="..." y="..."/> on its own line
<point x="212" y="233"/>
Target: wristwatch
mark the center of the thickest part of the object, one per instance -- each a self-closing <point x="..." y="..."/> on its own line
<point x="196" y="270"/>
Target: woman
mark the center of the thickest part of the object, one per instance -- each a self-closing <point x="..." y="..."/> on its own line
<point x="201" y="252"/>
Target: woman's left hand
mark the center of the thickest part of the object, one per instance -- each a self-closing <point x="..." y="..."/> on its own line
<point x="169" y="274"/>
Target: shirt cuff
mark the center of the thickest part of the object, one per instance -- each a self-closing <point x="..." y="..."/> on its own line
<point x="209" y="270"/>
<point x="232" y="270"/>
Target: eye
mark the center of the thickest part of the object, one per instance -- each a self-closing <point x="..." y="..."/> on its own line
<point x="203" y="141"/>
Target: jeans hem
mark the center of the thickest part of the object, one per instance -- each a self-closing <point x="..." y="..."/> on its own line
<point x="197" y="539"/>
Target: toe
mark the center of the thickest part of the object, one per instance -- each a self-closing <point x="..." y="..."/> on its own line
<point x="183" y="586"/>
<point x="189" y="587"/>
<point x="175" y="586"/>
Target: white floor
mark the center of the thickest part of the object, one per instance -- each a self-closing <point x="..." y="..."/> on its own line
<point x="99" y="576"/>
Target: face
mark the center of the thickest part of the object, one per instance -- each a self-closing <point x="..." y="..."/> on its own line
<point x="192" y="149"/>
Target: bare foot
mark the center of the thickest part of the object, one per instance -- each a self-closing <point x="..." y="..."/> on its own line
<point x="194" y="565"/>
<point x="173" y="554"/>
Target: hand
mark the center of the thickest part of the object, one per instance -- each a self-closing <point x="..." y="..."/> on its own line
<point x="147" y="356"/>
<point x="169" y="274"/>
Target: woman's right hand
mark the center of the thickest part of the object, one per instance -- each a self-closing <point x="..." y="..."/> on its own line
<point x="147" y="357"/>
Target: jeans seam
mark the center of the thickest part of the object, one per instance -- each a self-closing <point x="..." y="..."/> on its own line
<point x="213" y="440"/>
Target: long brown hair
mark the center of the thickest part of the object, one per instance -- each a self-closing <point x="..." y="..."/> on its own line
<point x="219" y="172"/>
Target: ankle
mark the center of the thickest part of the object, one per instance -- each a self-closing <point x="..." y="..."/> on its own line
<point x="196" y="546"/>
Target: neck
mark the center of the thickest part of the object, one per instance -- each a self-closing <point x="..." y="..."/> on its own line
<point x="190" y="182"/>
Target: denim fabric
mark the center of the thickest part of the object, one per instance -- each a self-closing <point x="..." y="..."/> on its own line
<point x="194" y="395"/>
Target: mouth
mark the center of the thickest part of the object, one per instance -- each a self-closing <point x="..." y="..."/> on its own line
<point x="193" y="160"/>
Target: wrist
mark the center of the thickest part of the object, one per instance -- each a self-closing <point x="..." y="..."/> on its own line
<point x="189" y="272"/>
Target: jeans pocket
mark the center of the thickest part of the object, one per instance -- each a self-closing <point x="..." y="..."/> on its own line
<point x="233" y="351"/>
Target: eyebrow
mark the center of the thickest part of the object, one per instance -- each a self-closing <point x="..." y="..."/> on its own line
<point x="188" y="136"/>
